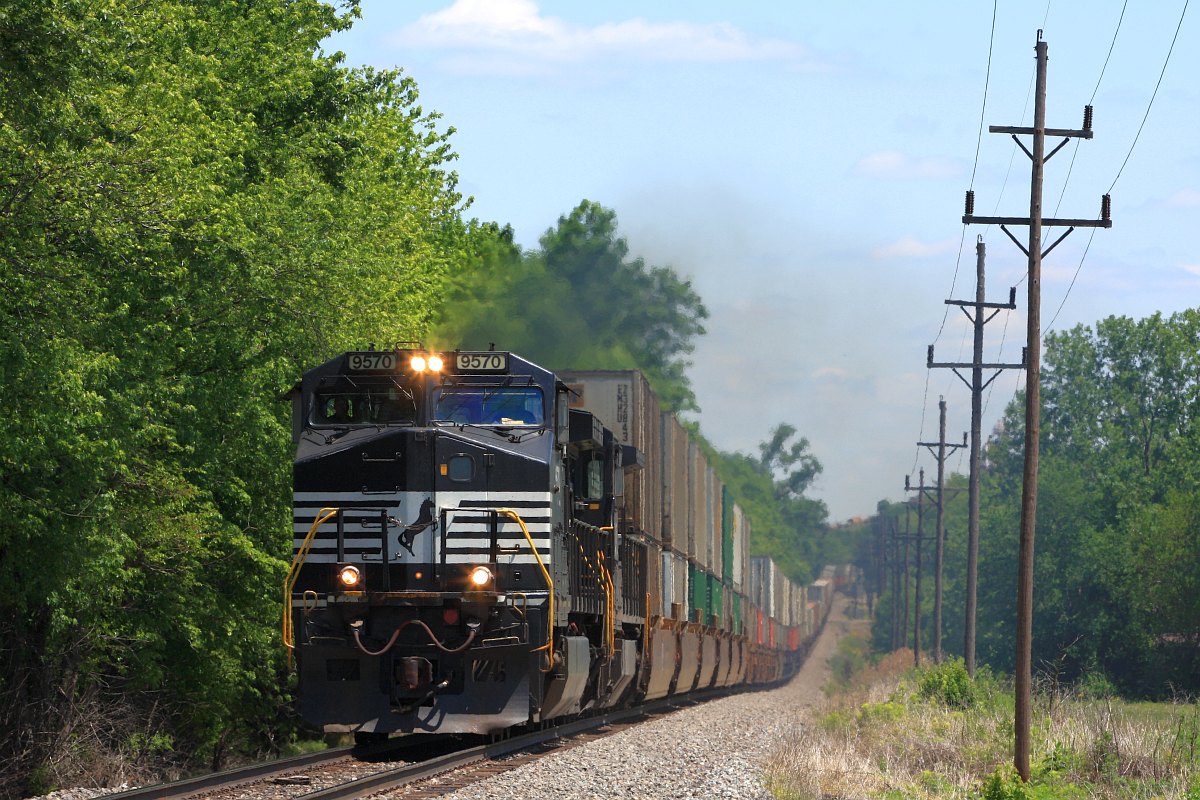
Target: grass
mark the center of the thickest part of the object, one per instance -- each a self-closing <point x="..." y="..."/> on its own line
<point x="889" y="732"/>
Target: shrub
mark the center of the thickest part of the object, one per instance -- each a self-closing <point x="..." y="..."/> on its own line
<point x="947" y="683"/>
<point x="1095" y="686"/>
<point x="1004" y="784"/>
<point x="881" y="712"/>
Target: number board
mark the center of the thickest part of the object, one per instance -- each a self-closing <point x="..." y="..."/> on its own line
<point x="481" y="362"/>
<point x="370" y="362"/>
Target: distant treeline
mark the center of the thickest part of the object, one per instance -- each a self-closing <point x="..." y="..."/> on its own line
<point x="1117" y="572"/>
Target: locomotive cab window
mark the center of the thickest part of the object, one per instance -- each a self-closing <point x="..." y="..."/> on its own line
<point x="595" y="477"/>
<point x="489" y="405"/>
<point x="365" y="405"/>
<point x="589" y="476"/>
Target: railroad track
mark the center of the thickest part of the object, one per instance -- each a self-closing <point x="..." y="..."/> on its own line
<point x="434" y="764"/>
<point x="293" y="773"/>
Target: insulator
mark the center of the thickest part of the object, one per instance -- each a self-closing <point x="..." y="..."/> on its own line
<point x="929" y="357"/>
<point x="970" y="202"/>
<point x="1087" y="118"/>
<point x="1106" y="207"/>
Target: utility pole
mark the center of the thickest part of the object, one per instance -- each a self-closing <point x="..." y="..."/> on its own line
<point x="1038" y="157"/>
<point x="940" y="537"/>
<point x="921" y="491"/>
<point x="983" y="314"/>
<point x="895" y="579"/>
<point x="905" y="539"/>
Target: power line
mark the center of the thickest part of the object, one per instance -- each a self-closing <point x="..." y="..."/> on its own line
<point x="1153" y="95"/>
<point x="1095" y="91"/>
<point x="987" y="78"/>
<point x="1132" y="145"/>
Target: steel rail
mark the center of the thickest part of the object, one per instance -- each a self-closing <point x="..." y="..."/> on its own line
<point x="231" y="777"/>
<point x="391" y="779"/>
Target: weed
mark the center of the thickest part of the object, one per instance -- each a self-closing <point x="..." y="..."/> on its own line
<point x="1004" y="784"/>
<point x="947" y="683"/>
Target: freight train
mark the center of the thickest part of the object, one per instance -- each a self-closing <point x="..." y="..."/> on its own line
<point x="480" y="543"/>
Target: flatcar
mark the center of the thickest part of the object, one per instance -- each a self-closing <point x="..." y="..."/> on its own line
<point x="476" y="549"/>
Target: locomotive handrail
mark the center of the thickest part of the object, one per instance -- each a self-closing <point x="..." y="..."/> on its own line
<point x="549" y="645"/>
<point x="289" y="582"/>
<point x="610" y="600"/>
<point x="524" y="603"/>
<point x="646" y="629"/>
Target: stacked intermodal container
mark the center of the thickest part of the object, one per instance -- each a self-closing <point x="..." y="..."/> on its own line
<point x="699" y="511"/>
<point x="715" y="512"/>
<point x="674" y="488"/>
<point x="704" y="584"/>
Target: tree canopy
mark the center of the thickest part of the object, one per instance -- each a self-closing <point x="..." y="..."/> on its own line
<point x="1117" y="554"/>
<point x="196" y="203"/>
<point x="787" y="525"/>
<point x="579" y="302"/>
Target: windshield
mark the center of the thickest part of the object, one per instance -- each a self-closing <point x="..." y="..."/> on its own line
<point x="365" y="405"/>
<point x="488" y="405"/>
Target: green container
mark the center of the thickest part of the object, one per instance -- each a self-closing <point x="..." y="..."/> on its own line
<point x="716" y="597"/>
<point x="737" y="613"/>
<point x="727" y="536"/>
<point x="698" y="592"/>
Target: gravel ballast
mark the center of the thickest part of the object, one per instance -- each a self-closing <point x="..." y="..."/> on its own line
<point x="713" y="750"/>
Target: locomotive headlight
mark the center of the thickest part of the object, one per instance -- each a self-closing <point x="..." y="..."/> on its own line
<point x="481" y="578"/>
<point x="349" y="576"/>
<point x="435" y="363"/>
<point x="417" y="363"/>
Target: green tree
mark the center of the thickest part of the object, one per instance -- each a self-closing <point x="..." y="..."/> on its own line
<point x="580" y="302"/>
<point x="196" y="203"/>
<point x="786" y="524"/>
<point x="1116" y="485"/>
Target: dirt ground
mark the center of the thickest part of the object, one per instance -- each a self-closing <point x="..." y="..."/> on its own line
<point x="805" y="690"/>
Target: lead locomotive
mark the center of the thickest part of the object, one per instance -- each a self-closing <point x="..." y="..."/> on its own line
<point x="459" y="564"/>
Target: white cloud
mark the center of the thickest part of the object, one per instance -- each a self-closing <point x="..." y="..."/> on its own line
<point x="1184" y="198"/>
<point x="512" y="35"/>
<point x="909" y="247"/>
<point x="892" y="165"/>
<point x="831" y="372"/>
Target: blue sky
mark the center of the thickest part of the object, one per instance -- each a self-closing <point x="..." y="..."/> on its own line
<point x="805" y="164"/>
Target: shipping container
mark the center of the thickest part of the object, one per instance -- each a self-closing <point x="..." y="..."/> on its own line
<point x="730" y="515"/>
<point x="675" y="482"/>
<point x="697" y="594"/>
<point x="799" y="607"/>
<point x="744" y="570"/>
<point x="782" y="593"/>
<point x="736" y="565"/>
<point x="675" y="601"/>
<point x="716" y="494"/>
<point x="680" y="592"/>
<point x="699" y="509"/>
<point x="625" y="403"/>
<point x="763" y="577"/>
<point x="821" y="592"/>
<point x="716" y="599"/>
